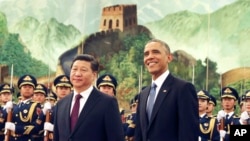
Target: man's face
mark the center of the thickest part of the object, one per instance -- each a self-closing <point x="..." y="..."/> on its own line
<point x="62" y="91"/>
<point x="81" y="75"/>
<point x="202" y="104"/>
<point x="26" y="91"/>
<point x="107" y="90"/>
<point x="6" y="96"/>
<point x="156" y="58"/>
<point x="39" y="97"/>
<point x="210" y="107"/>
<point x="228" y="103"/>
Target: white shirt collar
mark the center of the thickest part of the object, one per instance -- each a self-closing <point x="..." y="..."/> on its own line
<point x="202" y="115"/>
<point x="25" y="101"/>
<point x="85" y="94"/>
<point x="230" y="114"/>
<point x="159" y="81"/>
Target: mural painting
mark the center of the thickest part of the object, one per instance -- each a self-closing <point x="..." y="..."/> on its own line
<point x="209" y="40"/>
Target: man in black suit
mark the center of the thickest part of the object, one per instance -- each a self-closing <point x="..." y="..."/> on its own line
<point x="98" y="118"/>
<point x="169" y="110"/>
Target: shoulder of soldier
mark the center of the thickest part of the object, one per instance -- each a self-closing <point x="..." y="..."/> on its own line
<point x="235" y="116"/>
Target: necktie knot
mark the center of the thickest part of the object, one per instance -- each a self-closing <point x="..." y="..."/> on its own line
<point x="153" y="86"/>
<point x="21" y="104"/>
<point x="78" y="96"/>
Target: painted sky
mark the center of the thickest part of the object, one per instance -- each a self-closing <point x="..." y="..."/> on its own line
<point x="85" y="16"/>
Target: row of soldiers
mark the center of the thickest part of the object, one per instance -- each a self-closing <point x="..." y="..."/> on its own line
<point x="32" y="115"/>
<point x="27" y="122"/>
<point x="217" y="127"/>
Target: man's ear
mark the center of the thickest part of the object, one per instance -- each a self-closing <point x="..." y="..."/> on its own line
<point x="170" y="58"/>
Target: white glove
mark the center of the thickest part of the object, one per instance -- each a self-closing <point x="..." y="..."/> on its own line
<point x="48" y="126"/>
<point x="47" y="106"/>
<point x="9" y="106"/>
<point x="243" y="117"/>
<point x="10" y="126"/>
<point x="221" y="114"/>
<point x="222" y="133"/>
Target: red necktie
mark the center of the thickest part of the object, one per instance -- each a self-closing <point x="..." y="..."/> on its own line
<point x="75" y="112"/>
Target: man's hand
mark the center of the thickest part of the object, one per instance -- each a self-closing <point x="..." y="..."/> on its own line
<point x="10" y="126"/>
<point x="47" y="106"/>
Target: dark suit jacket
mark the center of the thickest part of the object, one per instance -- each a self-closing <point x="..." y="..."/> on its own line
<point x="175" y="114"/>
<point x="99" y="120"/>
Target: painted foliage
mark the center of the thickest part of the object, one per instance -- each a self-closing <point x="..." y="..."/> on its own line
<point x="207" y="39"/>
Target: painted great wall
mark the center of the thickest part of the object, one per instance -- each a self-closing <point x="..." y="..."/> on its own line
<point x="117" y="22"/>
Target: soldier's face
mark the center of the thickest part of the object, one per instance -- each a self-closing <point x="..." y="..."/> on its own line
<point x="27" y="91"/>
<point x="210" y="107"/>
<point x="228" y="103"/>
<point x="39" y="97"/>
<point x="107" y="90"/>
<point x="61" y="92"/>
<point x="6" y="96"/>
<point x="247" y="104"/>
<point x="202" y="105"/>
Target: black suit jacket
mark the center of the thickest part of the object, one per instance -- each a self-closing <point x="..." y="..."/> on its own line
<point x="175" y="114"/>
<point x="99" y="119"/>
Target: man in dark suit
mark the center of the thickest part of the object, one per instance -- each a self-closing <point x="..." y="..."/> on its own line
<point x="168" y="111"/>
<point x="98" y="117"/>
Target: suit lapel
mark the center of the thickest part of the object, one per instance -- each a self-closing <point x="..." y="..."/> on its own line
<point x="163" y="92"/>
<point x="90" y="103"/>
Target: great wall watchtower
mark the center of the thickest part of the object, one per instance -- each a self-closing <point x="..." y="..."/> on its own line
<point x="120" y="17"/>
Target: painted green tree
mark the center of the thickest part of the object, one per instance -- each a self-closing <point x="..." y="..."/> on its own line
<point x="12" y="52"/>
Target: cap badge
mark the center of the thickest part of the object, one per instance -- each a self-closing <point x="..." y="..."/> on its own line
<point x="227" y="90"/>
<point x="106" y="78"/>
<point x="6" y="87"/>
<point x="27" y="78"/>
<point x="64" y="79"/>
<point x="39" y="86"/>
<point x="248" y="94"/>
<point x="201" y="93"/>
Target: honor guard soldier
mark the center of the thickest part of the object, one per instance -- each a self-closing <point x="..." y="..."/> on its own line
<point x="241" y="102"/>
<point x="227" y="116"/>
<point x="244" y="117"/>
<point x="63" y="86"/>
<point x="40" y="94"/>
<point x="208" y="125"/>
<point x="25" y="120"/>
<point x="107" y="84"/>
<point x="211" y="105"/>
<point x="19" y="98"/>
<point x="130" y="130"/>
<point x="6" y="92"/>
<point x="51" y="98"/>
